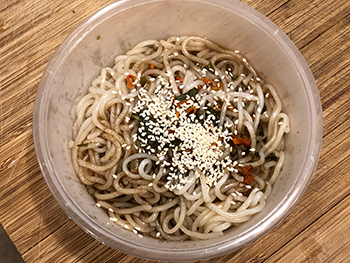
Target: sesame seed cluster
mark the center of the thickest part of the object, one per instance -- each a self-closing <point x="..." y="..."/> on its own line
<point x="183" y="141"/>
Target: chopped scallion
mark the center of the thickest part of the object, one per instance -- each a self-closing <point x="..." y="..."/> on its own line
<point x="136" y="117"/>
<point x="190" y="93"/>
<point x="143" y="81"/>
<point x="265" y="187"/>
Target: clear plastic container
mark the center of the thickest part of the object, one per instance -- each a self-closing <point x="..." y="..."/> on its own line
<point x="116" y="28"/>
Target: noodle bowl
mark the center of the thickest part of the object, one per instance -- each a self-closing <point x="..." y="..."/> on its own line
<point x="180" y="140"/>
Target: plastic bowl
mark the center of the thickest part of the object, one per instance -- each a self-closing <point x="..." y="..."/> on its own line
<point x="112" y="31"/>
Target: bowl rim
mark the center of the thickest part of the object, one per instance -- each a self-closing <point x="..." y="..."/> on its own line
<point x="189" y="254"/>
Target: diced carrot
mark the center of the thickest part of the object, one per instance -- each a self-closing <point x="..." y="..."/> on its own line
<point x="191" y="109"/>
<point x="246" y="170"/>
<point x="179" y="79"/>
<point x="240" y="140"/>
<point x="248" y="179"/>
<point x="213" y="85"/>
<point x="206" y="80"/>
<point x="177" y="114"/>
<point x="182" y="102"/>
<point x="214" y="88"/>
<point x="230" y="107"/>
<point x="128" y="77"/>
<point x="152" y="66"/>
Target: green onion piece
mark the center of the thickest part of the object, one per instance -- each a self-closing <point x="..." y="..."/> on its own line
<point x="246" y="105"/>
<point x="136" y="117"/>
<point x="200" y="112"/>
<point x="271" y="157"/>
<point x="98" y="37"/>
<point x="261" y="133"/>
<point x="209" y="66"/>
<point x="265" y="187"/>
<point x="143" y="81"/>
<point x="176" y="142"/>
<point x="190" y="93"/>
<point x="214" y="112"/>
<point x="233" y="129"/>
<point x="233" y="151"/>
<point x="83" y="145"/>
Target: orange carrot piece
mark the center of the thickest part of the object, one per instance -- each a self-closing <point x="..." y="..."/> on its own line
<point x="246" y="170"/>
<point x="248" y="179"/>
<point x="128" y="77"/>
<point x="182" y="102"/>
<point x="177" y="114"/>
<point x="240" y="140"/>
<point x="152" y="66"/>
<point x="179" y="79"/>
<point x="213" y="85"/>
<point x="214" y="88"/>
<point x="206" y="80"/>
<point x="192" y="109"/>
<point x="230" y="107"/>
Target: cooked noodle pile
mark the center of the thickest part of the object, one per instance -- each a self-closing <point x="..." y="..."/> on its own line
<point x="180" y="139"/>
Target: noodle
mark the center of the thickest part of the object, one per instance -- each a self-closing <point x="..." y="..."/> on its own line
<point x="180" y="139"/>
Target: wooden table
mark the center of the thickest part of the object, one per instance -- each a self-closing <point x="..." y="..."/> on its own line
<point x="316" y="230"/>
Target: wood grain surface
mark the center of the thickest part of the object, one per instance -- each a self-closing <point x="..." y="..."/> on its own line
<point x="316" y="230"/>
